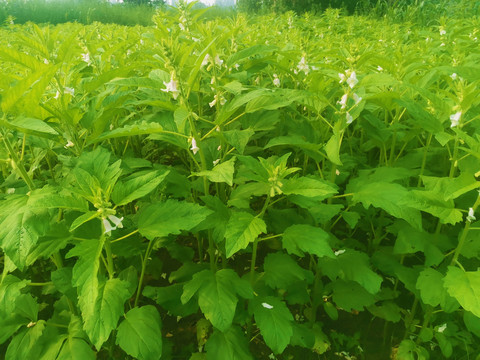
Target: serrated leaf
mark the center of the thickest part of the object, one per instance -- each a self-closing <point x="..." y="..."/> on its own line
<point x="222" y="172"/>
<point x="217" y="295"/>
<point x="137" y="186"/>
<point x="238" y="138"/>
<point x="228" y="345"/>
<point x="281" y="271"/>
<point x="309" y="187"/>
<point x="139" y="334"/>
<point x="76" y="349"/>
<point x="432" y="291"/>
<point x="305" y="238"/>
<point x="349" y="295"/>
<point x="31" y="126"/>
<point x="10" y="290"/>
<point x="274" y="321"/>
<point x="332" y="148"/>
<point x="170" y="217"/>
<point x="108" y="309"/>
<point x="25" y="344"/>
<point x="465" y="287"/>
<point x="138" y="128"/>
<point x="56" y="239"/>
<point x="242" y="229"/>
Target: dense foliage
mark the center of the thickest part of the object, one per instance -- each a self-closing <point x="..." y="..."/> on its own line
<point x="279" y="187"/>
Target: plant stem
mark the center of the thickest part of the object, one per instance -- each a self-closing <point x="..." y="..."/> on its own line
<point x="142" y="274"/>
<point x="17" y="163"/>
<point x="461" y="241"/>
<point x="255" y="242"/>
<point x="108" y="250"/>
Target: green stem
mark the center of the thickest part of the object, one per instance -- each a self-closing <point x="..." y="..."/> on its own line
<point x="40" y="284"/>
<point x="255" y="242"/>
<point x="463" y="237"/>
<point x="424" y="160"/>
<point x="410" y="317"/>
<point x="142" y="274"/>
<point x="17" y="163"/>
<point x="426" y="320"/>
<point x="108" y="250"/>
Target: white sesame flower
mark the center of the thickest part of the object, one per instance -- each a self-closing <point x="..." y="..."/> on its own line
<point x="171" y="87"/>
<point x="57" y="95"/>
<point x="356" y="98"/>
<point x="107" y="226"/>
<point x="219" y="147"/>
<point x="216" y="99"/>
<point x="213" y="102"/>
<point x="342" y="77"/>
<point x="454" y="76"/>
<point x="205" y="60"/>
<point x="379" y="68"/>
<point x="215" y="162"/>
<point x="181" y="26"/>
<point x="10" y="191"/>
<point x="343" y="101"/>
<point x="352" y="80"/>
<point x="236" y="66"/>
<point x="267" y="306"/>
<point x="69" y="90"/>
<point x="46" y="62"/>
<point x="337" y="172"/>
<point x="69" y="144"/>
<point x="339" y="252"/>
<point x="442" y="328"/>
<point x="455" y="119"/>
<point x="471" y="215"/>
<point x="349" y="118"/>
<point x="86" y="58"/>
<point x="303" y="66"/>
<point x="276" y="80"/>
<point x="194" y="147"/>
<point x="218" y="61"/>
<point x="117" y="221"/>
<point x="442" y="32"/>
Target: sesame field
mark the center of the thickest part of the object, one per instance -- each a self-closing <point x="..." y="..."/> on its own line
<point x="274" y="186"/>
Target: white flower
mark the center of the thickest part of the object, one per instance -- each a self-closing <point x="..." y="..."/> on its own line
<point x="337" y="172"/>
<point x="442" y="32"/>
<point x="349" y="118"/>
<point x="454" y="76"/>
<point x="379" y="68"/>
<point x="108" y="227"/>
<point x="117" y="221"/>
<point x="205" y="60"/>
<point x="236" y="66"/>
<point x="216" y="98"/>
<point x="69" y="90"/>
<point x="442" y="328"/>
<point x="181" y="26"/>
<point x="194" y="147"/>
<point x="342" y="77"/>
<point x="343" y="101"/>
<point x="267" y="306"/>
<point x="57" y="95"/>
<point x="218" y="61"/>
<point x="356" y="98"/>
<point x="471" y="215"/>
<point x="339" y="252"/>
<point x="455" y="119"/>
<point x="219" y="147"/>
<point x="171" y="87"/>
<point x="86" y="58"/>
<point x="69" y="144"/>
<point x="352" y="80"/>
<point x="213" y="102"/>
<point x="215" y="162"/>
<point x="46" y="62"/>
<point x="10" y="191"/>
<point x="302" y="66"/>
<point x="276" y="80"/>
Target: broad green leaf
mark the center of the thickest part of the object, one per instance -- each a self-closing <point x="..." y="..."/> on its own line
<point x="108" y="309"/>
<point x="388" y="310"/>
<point x="274" y="321"/>
<point x="56" y="239"/>
<point x="472" y="323"/>
<point x="25" y="344"/>
<point x="445" y="344"/>
<point x="31" y="126"/>
<point x="76" y="349"/>
<point x="85" y="275"/>
<point x="238" y="138"/>
<point x="332" y="149"/>
<point x="139" y="334"/>
<point x="305" y="238"/>
<point x="242" y="229"/>
<point x="168" y="297"/>
<point x="222" y="172"/>
<point x="352" y="265"/>
<point x="432" y="203"/>
<point x="309" y="187"/>
<point x="450" y="188"/>
<point x="349" y="295"/>
<point x="281" y="271"/>
<point x="255" y="50"/>
<point x="9" y="291"/>
<point x="391" y="197"/>
<point x="302" y="336"/>
<point x="180" y="116"/>
<point x="228" y="345"/>
<point x="139" y="128"/>
<point x="82" y="219"/>
<point x="408" y="350"/>
<point x="432" y="291"/>
<point x="170" y="217"/>
<point x="136" y="186"/>
<point x="421" y="117"/>
<point x="465" y="287"/>
<point x="217" y="295"/>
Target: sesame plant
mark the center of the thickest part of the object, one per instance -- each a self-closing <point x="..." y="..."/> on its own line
<point x="274" y="187"/>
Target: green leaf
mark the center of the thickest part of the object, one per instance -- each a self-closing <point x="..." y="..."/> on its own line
<point x="85" y="275"/>
<point x="137" y="186"/>
<point x="281" y="271"/>
<point x="349" y="295"/>
<point x="31" y="126"/>
<point x="9" y="291"/>
<point x="302" y="336"/>
<point x="84" y="218"/>
<point x="465" y="287"/>
<point x="139" y="334"/>
<point x="222" y="172"/>
<point x="432" y="291"/>
<point x="170" y="217"/>
<point x="305" y="238"/>
<point x="332" y="148"/>
<point x="56" y="239"/>
<point x="168" y="297"/>
<point x="76" y="349"/>
<point x="238" y="138"/>
<point x="228" y="345"/>
<point x="108" y="309"/>
<point x="25" y="344"/>
<point x="274" y="321"/>
<point x="408" y="350"/>
<point x="309" y="187"/>
<point x="445" y="344"/>
<point x="217" y="295"/>
<point x="472" y="323"/>
<point x="242" y="229"/>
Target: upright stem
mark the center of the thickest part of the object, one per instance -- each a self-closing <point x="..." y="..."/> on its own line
<point x="461" y="241"/>
<point x="17" y="163"/>
<point x="108" y="250"/>
<point x="142" y="274"/>
<point x="255" y="242"/>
